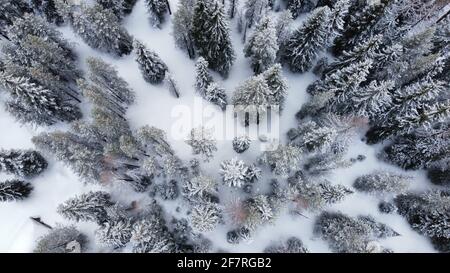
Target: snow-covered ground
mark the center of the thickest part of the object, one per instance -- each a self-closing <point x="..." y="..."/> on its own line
<point x="155" y="106"/>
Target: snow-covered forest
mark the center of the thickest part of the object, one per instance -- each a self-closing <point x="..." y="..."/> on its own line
<point x="113" y="126"/>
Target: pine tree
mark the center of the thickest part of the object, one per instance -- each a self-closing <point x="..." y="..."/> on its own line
<point x="262" y="46"/>
<point x="31" y="103"/>
<point x="254" y="11"/>
<point x="64" y="239"/>
<point x="241" y="143"/>
<point x="211" y="37"/>
<point x="89" y="206"/>
<point x="382" y="182"/>
<point x="252" y="99"/>
<point x="23" y="163"/>
<point x="233" y="172"/>
<point x="157" y="10"/>
<point x="282" y="161"/>
<point x="202" y="142"/>
<point x="12" y="190"/>
<point x="101" y="29"/>
<point x="152" y="67"/>
<point x="306" y="42"/>
<point x="182" y="25"/>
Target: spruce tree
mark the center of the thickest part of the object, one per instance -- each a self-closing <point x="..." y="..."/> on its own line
<point x="254" y="10"/>
<point x="211" y="36"/>
<point x="374" y="99"/>
<point x="63" y="239"/>
<point x="382" y="182"/>
<point x="23" y="163"/>
<point x="9" y="11"/>
<point x="120" y="8"/>
<point x="89" y="206"/>
<point x="48" y="9"/>
<point x="182" y="25"/>
<point x="252" y="99"/>
<point x="336" y="26"/>
<point x="206" y="87"/>
<point x="101" y="29"/>
<point x="283" y="29"/>
<point x="13" y="190"/>
<point x="277" y="84"/>
<point x="157" y="10"/>
<point x="202" y="142"/>
<point x="307" y="41"/>
<point x="262" y="46"/>
<point x="282" y="161"/>
<point x="297" y="7"/>
<point x="152" y="67"/>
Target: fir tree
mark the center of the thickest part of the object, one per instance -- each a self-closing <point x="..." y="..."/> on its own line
<point x="374" y="99"/>
<point x="9" y="11"/>
<point x="211" y="37"/>
<point x="22" y="162"/>
<point x="382" y="182"/>
<point x="277" y="84"/>
<point x="312" y="137"/>
<point x="64" y="239"/>
<point x="336" y="26"/>
<point x="90" y="206"/>
<point x="202" y="76"/>
<point x="283" y="160"/>
<point x="83" y="156"/>
<point x="182" y="24"/>
<point x="262" y="46"/>
<point x="13" y="190"/>
<point x="202" y="142"/>
<point x="283" y="29"/>
<point x="115" y="233"/>
<point x="205" y="217"/>
<point x="254" y="10"/>
<point x="101" y="29"/>
<point x="296" y="7"/>
<point x="48" y="9"/>
<point x="252" y="99"/>
<point x="233" y="172"/>
<point x="306" y="42"/>
<point x="157" y="10"/>
<point x="241" y="143"/>
<point x="27" y="97"/>
<point x="152" y="67"/>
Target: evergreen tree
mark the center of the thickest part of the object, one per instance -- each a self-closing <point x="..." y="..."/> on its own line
<point x="312" y="137"/>
<point x="83" y="156"/>
<point x="115" y="232"/>
<point x="252" y="99"/>
<point x="307" y="41"/>
<point x="120" y="8"/>
<point x="9" y="11"/>
<point x="172" y="85"/>
<point x="202" y="142"/>
<point x="200" y="186"/>
<point x="12" y="190"/>
<point x="262" y="46"/>
<point x="277" y="84"/>
<point x="152" y="67"/>
<point x="283" y="29"/>
<point x="157" y="10"/>
<point x="64" y="239"/>
<point x="89" y="206"/>
<point x="282" y="161"/>
<point x="182" y="25"/>
<point x="23" y="163"/>
<point x="374" y="99"/>
<point x="296" y="7"/>
<point x="254" y="11"/>
<point x="233" y="8"/>
<point x="427" y="213"/>
<point x="241" y="143"/>
<point x="291" y="245"/>
<point x="420" y="149"/>
<point x="382" y="182"/>
<point x="101" y="29"/>
<point x="48" y="9"/>
<point x="31" y="103"/>
<point x="336" y="26"/>
<point x="211" y="37"/>
<point x="202" y="76"/>
<point x="205" y="217"/>
<point x="233" y="172"/>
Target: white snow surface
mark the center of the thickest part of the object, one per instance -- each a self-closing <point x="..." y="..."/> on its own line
<point x="154" y="104"/>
